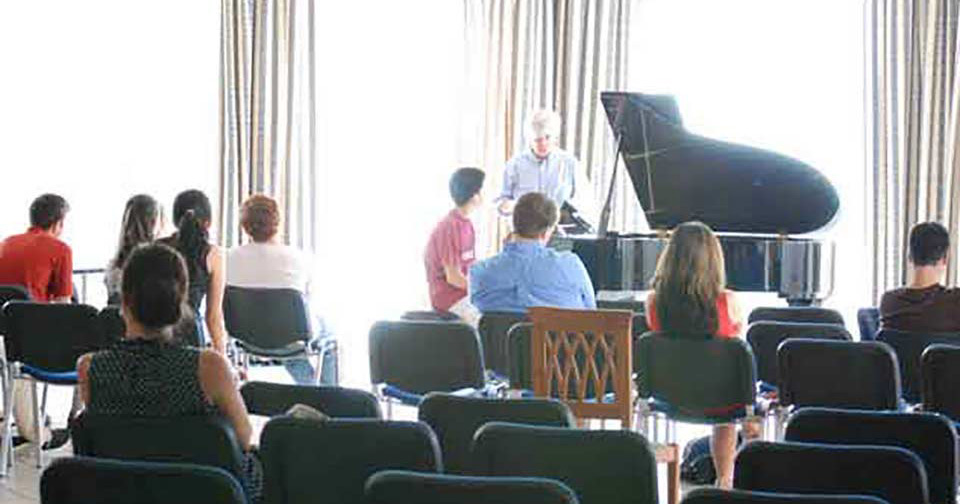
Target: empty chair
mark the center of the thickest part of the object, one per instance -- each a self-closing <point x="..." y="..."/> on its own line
<point x="893" y="474"/>
<point x="909" y="346"/>
<point x="493" y="328"/>
<point x="43" y="342"/>
<point x="409" y="359"/>
<point x="82" y="480"/>
<point x="275" y="323"/>
<point x="601" y="466"/>
<point x="841" y="374"/>
<point x="203" y="440"/>
<point x="717" y="496"/>
<point x="404" y="487"/>
<point x="456" y="419"/>
<point x="813" y="314"/>
<point x="940" y="367"/>
<point x="765" y="337"/>
<point x="270" y="399"/>
<point x="309" y="461"/>
<point x="868" y="321"/>
<point x="930" y="436"/>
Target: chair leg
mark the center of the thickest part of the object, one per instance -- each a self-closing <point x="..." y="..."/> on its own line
<point x="38" y="445"/>
<point x="6" y="451"/>
<point x="673" y="477"/>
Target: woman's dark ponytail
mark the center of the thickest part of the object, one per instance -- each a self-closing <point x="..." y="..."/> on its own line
<point x="191" y="211"/>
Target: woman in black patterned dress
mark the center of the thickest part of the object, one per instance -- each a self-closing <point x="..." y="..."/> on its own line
<point x="148" y="375"/>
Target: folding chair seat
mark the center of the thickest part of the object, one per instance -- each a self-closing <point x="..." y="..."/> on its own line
<point x="404" y="487"/>
<point x="309" y="461"/>
<point x="43" y="342"/>
<point x="909" y="347"/>
<point x="601" y="466"/>
<point x="812" y="314"/>
<point x="718" y="496"/>
<point x="271" y="399"/>
<point x="868" y="321"/>
<point x="838" y="374"/>
<point x="930" y="436"/>
<point x="455" y="421"/>
<point x="276" y="324"/>
<point x="81" y="480"/>
<point x="409" y="359"/>
<point x="940" y="368"/>
<point x="493" y="328"/>
<point x="890" y="473"/>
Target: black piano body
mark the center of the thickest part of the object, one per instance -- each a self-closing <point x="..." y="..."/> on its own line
<point x="756" y="200"/>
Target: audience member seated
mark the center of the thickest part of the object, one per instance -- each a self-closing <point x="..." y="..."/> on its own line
<point x="268" y="264"/>
<point x="924" y="304"/>
<point x="192" y="213"/>
<point x="41" y="262"/>
<point x="527" y="273"/>
<point x="142" y="219"/>
<point x="689" y="298"/>
<point x="146" y="374"/>
<point x="451" y="249"/>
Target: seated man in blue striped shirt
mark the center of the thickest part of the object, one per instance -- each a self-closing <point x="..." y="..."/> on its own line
<point x="527" y="273"/>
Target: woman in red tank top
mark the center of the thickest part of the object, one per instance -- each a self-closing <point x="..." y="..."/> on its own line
<point x="689" y="297"/>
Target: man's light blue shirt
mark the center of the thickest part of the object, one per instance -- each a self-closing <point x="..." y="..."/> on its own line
<point x="554" y="176"/>
<point x="529" y="274"/>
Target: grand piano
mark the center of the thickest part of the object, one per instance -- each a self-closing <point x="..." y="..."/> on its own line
<point x="756" y="200"/>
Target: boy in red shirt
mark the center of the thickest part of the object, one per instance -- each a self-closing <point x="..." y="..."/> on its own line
<point x="451" y="249"/>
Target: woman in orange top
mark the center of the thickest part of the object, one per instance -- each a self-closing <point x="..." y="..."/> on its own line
<point x="689" y="297"/>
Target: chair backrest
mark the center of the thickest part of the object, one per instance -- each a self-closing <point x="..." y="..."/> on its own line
<point x="309" y="461"/>
<point x="840" y="374"/>
<point x="11" y="293"/>
<point x="204" y="440"/>
<point x="931" y="437"/>
<point x="940" y="367"/>
<point x="696" y="377"/>
<point x="601" y="466"/>
<point x="51" y="336"/>
<point x="518" y="356"/>
<point x="423" y="357"/>
<point x="404" y="487"/>
<point x="868" y="321"/>
<point x="270" y="399"/>
<point x="579" y="355"/>
<point x="765" y="337"/>
<point x="455" y="420"/>
<point x="112" y="324"/>
<point x="893" y="474"/>
<point x="909" y="346"/>
<point x="266" y="318"/>
<point x="493" y="328"/>
<point x="709" y="495"/>
<point x="813" y="314"/>
<point x="82" y="480"/>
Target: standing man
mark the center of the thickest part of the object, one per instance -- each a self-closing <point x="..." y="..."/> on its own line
<point x="546" y="169"/>
<point x="39" y="261"/>
<point x="452" y="248"/>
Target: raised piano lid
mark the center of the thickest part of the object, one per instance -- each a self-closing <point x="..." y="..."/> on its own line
<point x="679" y="176"/>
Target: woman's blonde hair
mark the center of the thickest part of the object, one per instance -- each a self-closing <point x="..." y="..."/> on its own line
<point x="690" y="278"/>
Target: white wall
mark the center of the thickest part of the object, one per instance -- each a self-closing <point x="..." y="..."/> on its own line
<point x="103" y="99"/>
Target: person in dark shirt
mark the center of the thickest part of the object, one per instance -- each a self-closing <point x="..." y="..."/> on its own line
<point x="924" y="305"/>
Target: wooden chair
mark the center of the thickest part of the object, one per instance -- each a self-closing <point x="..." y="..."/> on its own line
<point x="583" y="357"/>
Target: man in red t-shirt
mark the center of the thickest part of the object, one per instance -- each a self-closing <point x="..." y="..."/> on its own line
<point x="451" y="249"/>
<point x="39" y="261"/>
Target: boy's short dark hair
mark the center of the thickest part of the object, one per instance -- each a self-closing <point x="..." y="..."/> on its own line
<point x="47" y="210"/>
<point x="465" y="183"/>
<point x="534" y="214"/>
<point x="929" y="243"/>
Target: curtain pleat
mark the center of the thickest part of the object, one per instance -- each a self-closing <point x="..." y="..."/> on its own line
<point x="911" y="87"/>
<point x="268" y="105"/>
<point x="557" y="54"/>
